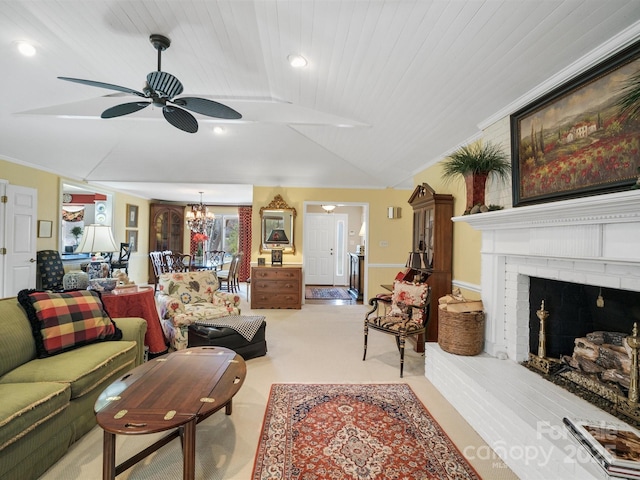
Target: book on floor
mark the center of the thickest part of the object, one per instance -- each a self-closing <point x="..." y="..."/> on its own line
<point x="615" y="446"/>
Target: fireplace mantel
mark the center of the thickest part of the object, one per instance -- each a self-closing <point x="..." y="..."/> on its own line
<point x="612" y="208"/>
<point x="590" y="240"/>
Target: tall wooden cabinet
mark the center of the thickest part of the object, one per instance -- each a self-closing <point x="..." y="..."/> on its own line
<point x="433" y="234"/>
<point x="166" y="230"/>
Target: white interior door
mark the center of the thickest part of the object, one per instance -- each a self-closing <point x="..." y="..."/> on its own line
<point x="325" y="249"/>
<point x="19" y="238"/>
<point x="318" y="249"/>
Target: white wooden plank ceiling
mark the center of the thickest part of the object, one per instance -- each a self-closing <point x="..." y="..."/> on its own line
<point x="390" y="86"/>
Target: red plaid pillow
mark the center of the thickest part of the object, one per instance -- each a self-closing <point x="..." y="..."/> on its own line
<point x="64" y="321"/>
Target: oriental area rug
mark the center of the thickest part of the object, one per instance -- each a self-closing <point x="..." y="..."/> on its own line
<point x="350" y="431"/>
<point x="327" y="293"/>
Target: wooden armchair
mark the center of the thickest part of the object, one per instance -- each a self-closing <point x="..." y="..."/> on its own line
<point x="408" y="313"/>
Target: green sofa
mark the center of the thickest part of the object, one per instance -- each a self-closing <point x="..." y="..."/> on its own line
<point x="47" y="404"/>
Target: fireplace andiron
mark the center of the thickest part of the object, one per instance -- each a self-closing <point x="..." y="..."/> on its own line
<point x="540" y="361"/>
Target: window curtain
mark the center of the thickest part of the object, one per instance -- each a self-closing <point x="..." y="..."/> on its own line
<point x="244" y="242"/>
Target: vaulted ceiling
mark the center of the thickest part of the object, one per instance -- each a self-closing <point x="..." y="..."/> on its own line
<point x="390" y="86"/>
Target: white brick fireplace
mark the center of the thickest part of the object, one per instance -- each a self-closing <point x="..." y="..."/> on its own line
<point x="592" y="240"/>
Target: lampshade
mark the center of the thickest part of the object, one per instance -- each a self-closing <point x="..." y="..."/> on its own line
<point x="277" y="235"/>
<point x="97" y="238"/>
<point x="418" y="261"/>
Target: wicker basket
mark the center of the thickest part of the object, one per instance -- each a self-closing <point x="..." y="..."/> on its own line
<point x="461" y="333"/>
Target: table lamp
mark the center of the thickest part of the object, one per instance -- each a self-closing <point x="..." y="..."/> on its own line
<point x="97" y="239"/>
<point x="278" y="236"/>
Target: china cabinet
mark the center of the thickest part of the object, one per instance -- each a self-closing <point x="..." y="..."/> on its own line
<point x="166" y="230"/>
<point x="433" y="235"/>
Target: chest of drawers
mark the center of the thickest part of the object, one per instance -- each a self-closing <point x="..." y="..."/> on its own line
<point x="276" y="287"/>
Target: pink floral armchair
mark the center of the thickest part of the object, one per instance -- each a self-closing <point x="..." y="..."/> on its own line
<point x="185" y="297"/>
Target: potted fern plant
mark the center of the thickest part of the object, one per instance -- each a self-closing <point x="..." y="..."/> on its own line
<point x="475" y="163"/>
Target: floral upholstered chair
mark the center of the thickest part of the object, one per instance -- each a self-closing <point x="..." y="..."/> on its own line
<point x="185" y="297"/>
<point x="403" y="315"/>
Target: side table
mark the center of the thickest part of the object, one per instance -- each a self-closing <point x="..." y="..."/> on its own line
<point x="138" y="302"/>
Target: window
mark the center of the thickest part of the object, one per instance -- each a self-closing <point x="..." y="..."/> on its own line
<point x="224" y="235"/>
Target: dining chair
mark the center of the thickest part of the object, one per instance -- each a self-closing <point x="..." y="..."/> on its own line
<point x="229" y="278"/>
<point x="215" y="258"/>
<point x="407" y="315"/>
<point x="159" y="265"/>
<point x="123" y="259"/>
<point x="178" y="262"/>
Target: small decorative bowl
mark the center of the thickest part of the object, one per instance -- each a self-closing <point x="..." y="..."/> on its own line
<point x="103" y="284"/>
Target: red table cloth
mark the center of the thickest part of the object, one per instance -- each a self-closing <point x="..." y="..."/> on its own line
<point x="138" y="302"/>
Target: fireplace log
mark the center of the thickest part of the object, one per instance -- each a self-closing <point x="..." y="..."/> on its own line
<point x="616" y="376"/>
<point x="585" y="365"/>
<point x="601" y="337"/>
<point x="606" y="356"/>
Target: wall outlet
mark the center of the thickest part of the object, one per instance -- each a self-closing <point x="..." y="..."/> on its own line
<point x="384" y="243"/>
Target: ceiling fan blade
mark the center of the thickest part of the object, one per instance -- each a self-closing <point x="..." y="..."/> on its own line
<point x="180" y="119"/>
<point x="207" y="107"/>
<point x="165" y="84"/>
<point x="109" y="86"/>
<point x="124" y="109"/>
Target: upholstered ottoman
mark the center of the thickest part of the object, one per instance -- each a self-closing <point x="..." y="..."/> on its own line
<point x="243" y="334"/>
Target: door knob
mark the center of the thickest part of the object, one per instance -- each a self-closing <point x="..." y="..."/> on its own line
<point x="32" y="260"/>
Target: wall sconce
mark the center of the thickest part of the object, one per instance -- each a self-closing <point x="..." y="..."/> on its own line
<point x="393" y="212"/>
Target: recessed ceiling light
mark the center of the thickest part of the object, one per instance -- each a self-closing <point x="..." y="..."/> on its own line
<point x="297" y="61"/>
<point x="218" y="130"/>
<point x="26" y="49"/>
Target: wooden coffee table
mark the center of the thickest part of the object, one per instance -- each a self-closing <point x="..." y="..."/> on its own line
<point x="172" y="392"/>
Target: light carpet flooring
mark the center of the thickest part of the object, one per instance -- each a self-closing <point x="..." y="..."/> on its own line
<point x="317" y="344"/>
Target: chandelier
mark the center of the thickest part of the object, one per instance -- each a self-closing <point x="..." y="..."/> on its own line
<point x="199" y="219"/>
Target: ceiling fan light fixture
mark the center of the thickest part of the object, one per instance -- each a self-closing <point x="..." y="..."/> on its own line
<point x="26" y="49"/>
<point x="296" y="60"/>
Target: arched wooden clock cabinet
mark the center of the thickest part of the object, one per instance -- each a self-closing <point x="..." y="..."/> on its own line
<point x="166" y="230"/>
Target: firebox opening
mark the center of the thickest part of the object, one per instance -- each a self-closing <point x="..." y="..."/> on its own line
<point x="574" y="312"/>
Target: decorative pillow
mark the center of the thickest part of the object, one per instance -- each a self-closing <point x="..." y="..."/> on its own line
<point x="410" y="294"/>
<point x="64" y="321"/>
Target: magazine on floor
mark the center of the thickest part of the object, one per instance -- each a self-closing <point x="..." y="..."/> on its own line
<point x="615" y="446"/>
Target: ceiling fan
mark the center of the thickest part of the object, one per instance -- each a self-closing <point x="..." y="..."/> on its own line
<point x="160" y="89"/>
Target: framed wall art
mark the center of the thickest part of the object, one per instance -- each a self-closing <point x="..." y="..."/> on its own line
<point x="44" y="228"/>
<point x="132" y="239"/>
<point x="276" y="256"/>
<point x="132" y="216"/>
<point x="579" y="139"/>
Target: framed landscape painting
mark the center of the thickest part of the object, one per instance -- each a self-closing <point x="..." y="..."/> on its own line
<point x="578" y="140"/>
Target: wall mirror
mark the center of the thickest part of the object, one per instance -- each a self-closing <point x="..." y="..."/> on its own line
<point x="276" y="222"/>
